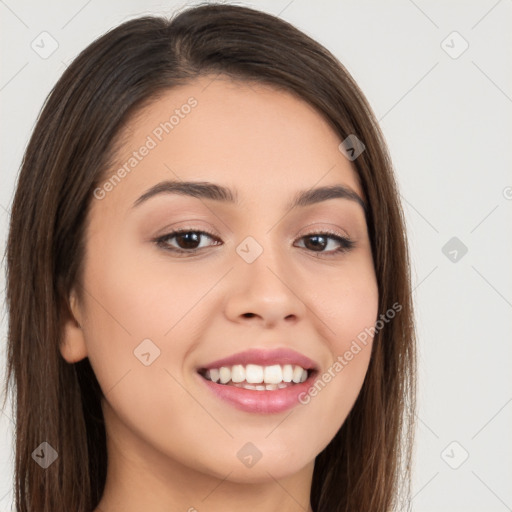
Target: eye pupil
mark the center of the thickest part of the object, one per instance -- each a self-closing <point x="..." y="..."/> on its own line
<point x="191" y="240"/>
<point x="311" y="242"/>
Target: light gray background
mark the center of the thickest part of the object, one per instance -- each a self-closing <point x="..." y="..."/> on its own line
<point x="448" y="125"/>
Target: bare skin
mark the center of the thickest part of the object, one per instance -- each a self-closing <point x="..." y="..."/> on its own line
<point x="173" y="444"/>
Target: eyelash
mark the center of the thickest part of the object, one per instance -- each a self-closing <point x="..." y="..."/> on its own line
<point x="346" y="244"/>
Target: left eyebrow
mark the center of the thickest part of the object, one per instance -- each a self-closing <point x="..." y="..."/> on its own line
<point x="317" y="195"/>
<point x="206" y="190"/>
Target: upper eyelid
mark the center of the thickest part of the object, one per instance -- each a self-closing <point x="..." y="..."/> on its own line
<point x="312" y="227"/>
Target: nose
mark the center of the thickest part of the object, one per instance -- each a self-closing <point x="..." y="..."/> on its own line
<point x="264" y="291"/>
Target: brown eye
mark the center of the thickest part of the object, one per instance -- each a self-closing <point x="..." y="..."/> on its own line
<point x="185" y="241"/>
<point x="318" y="242"/>
<point x="188" y="240"/>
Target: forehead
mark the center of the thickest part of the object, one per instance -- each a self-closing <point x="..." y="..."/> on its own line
<point x="253" y="138"/>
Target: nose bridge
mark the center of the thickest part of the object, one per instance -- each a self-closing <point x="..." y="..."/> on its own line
<point x="264" y="284"/>
<point x="262" y="261"/>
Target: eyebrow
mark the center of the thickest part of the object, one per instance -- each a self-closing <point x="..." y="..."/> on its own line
<point x="207" y="190"/>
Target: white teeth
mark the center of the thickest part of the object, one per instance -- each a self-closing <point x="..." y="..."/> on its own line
<point x="273" y="374"/>
<point x="237" y="373"/>
<point x="257" y="377"/>
<point x="254" y="373"/>
<point x="225" y="375"/>
<point x="297" y="374"/>
<point x="260" y="387"/>
<point x="287" y="373"/>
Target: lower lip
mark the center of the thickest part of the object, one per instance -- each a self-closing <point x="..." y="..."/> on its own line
<point x="263" y="402"/>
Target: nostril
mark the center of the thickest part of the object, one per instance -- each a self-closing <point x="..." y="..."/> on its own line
<point x="248" y="315"/>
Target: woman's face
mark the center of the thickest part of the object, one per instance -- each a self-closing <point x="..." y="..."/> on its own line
<point x="252" y="274"/>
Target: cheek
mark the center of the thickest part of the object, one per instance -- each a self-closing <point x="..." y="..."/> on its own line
<point x="140" y="296"/>
<point x="348" y="308"/>
<point x="347" y="301"/>
<point x="143" y="317"/>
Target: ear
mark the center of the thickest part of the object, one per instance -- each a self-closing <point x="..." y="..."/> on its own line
<point x="73" y="347"/>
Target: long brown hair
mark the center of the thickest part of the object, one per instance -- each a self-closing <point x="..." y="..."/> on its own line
<point x="367" y="464"/>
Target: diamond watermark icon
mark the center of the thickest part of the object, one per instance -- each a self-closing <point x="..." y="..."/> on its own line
<point x="249" y="455"/>
<point x="455" y="455"/>
<point x="454" y="45"/>
<point x="44" y="45"/>
<point x="146" y="352"/>
<point x="45" y="455"/>
<point x="249" y="249"/>
<point x="454" y="249"/>
<point x="351" y="147"/>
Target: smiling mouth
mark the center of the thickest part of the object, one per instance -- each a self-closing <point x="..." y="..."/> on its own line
<point x="256" y="377"/>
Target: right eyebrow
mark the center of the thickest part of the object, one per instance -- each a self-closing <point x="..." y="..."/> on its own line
<point x="197" y="189"/>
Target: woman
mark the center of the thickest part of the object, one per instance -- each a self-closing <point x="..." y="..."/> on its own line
<point x="208" y="280"/>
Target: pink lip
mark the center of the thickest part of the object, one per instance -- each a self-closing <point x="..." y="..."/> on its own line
<point x="264" y="358"/>
<point x="262" y="402"/>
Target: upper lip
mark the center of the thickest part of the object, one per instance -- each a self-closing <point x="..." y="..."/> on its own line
<point x="264" y="357"/>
